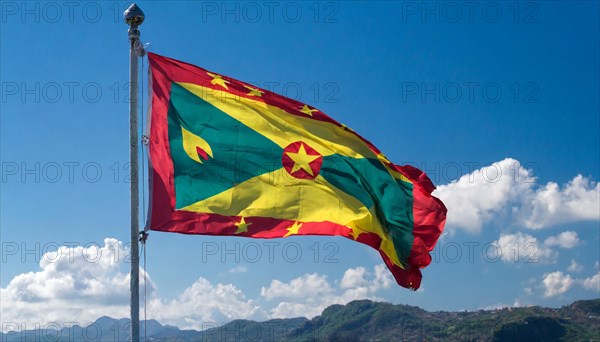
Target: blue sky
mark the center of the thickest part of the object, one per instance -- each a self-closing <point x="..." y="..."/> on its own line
<point x="498" y="103"/>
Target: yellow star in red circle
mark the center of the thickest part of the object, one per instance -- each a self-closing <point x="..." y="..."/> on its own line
<point x="302" y="160"/>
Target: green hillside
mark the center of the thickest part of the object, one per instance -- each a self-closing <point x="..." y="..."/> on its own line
<point x="364" y="320"/>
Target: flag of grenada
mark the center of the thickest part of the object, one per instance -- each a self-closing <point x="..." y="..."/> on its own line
<point x="228" y="158"/>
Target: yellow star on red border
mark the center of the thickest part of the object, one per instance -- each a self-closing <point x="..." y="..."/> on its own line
<point x="293" y="230"/>
<point x="306" y="110"/>
<point x="356" y="231"/>
<point x="254" y="91"/>
<point x="218" y="80"/>
<point x="242" y="226"/>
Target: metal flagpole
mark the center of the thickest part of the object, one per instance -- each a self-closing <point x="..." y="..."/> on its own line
<point x="134" y="17"/>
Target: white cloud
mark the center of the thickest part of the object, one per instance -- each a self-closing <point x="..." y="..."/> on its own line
<point x="203" y="304"/>
<point x="354" y="277"/>
<point x="507" y="189"/>
<point x="556" y="283"/>
<point x="574" y="267"/>
<point x="309" y="294"/>
<point x="81" y="284"/>
<point x="307" y="285"/>
<point x="568" y="239"/>
<point x="520" y="247"/>
<point x="74" y="283"/>
<point x="500" y="306"/>
<point x="592" y="283"/>
<point x="238" y="269"/>
<point x="84" y="283"/>
<point x="478" y="197"/>
<point x="578" y="200"/>
<point x="383" y="279"/>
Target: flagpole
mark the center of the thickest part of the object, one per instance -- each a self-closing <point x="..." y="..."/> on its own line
<point x="134" y="17"/>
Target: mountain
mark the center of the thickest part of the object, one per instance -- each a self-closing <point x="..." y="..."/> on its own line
<point x="363" y="320"/>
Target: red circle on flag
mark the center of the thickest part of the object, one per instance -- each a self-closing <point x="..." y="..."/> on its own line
<point x="301" y="161"/>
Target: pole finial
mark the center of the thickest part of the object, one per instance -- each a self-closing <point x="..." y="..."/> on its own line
<point x="133" y="15"/>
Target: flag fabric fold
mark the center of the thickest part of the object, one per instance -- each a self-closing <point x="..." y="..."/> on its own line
<point x="229" y="158"/>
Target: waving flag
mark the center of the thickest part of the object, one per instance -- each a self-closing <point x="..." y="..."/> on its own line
<point x="229" y="158"/>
